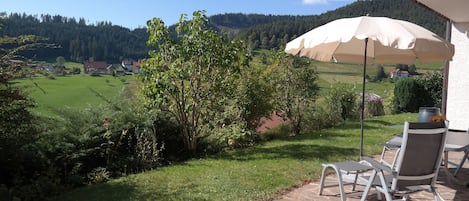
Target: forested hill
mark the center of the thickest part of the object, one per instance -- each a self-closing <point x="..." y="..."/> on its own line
<point x="268" y="32"/>
<point x="111" y="43"/>
<point x="78" y="41"/>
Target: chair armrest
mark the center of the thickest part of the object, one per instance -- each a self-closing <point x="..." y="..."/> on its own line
<point x="377" y="165"/>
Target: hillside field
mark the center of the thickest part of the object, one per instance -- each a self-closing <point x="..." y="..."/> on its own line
<point x="78" y="91"/>
<point x="83" y="90"/>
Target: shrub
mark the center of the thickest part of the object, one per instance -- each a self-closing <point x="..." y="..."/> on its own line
<point x="51" y="76"/>
<point x="409" y="95"/>
<point x="119" y="137"/>
<point x="18" y="131"/>
<point x="228" y="137"/>
<point x="374" y="106"/>
<point x="388" y="102"/>
<point x="95" y="74"/>
<point x="76" y="70"/>
<point x="433" y="85"/>
<point x="322" y="116"/>
<point x="341" y="100"/>
<point x="98" y="175"/>
<point x="277" y="132"/>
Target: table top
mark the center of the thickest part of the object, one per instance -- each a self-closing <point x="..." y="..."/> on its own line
<point x="455" y="141"/>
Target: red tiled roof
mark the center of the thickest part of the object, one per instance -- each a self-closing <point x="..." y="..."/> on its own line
<point x="95" y="64"/>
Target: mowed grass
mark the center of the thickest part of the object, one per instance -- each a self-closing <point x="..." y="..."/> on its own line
<point x="334" y="73"/>
<point x="77" y="91"/>
<point x="261" y="172"/>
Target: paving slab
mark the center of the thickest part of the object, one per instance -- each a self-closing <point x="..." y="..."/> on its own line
<point x="449" y="188"/>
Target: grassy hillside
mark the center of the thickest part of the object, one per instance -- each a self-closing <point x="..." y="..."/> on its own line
<point x="72" y="91"/>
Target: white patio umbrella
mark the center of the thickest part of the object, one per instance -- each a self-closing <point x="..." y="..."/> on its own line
<point x="365" y="40"/>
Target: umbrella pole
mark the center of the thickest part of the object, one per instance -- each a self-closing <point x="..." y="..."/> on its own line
<point x="363" y="100"/>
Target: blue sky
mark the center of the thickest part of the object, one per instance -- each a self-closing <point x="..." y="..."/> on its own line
<point x="135" y="13"/>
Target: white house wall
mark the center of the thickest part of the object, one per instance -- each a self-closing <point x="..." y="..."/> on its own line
<point x="457" y="111"/>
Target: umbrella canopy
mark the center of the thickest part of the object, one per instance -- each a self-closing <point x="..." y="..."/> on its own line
<point x="366" y="39"/>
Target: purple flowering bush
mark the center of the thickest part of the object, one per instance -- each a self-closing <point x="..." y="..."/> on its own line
<point x="374" y="105"/>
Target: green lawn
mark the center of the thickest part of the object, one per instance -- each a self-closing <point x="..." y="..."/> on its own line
<point x="77" y="91"/>
<point x="257" y="173"/>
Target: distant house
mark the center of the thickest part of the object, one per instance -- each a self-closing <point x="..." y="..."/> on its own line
<point x="41" y="65"/>
<point x="116" y="69"/>
<point x="398" y="73"/>
<point x="100" y="67"/>
<point x="131" y="66"/>
<point x="127" y="64"/>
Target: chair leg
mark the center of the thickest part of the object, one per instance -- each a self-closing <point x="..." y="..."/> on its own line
<point x="321" y="182"/>
<point x="466" y="157"/>
<point x="436" y="195"/>
<point x="384" y="185"/>
<point x="341" y="185"/>
<point x="368" y="186"/>
<point x="339" y="181"/>
<point x="355" y="182"/>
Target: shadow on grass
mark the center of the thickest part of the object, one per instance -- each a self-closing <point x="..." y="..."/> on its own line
<point x="341" y="73"/>
<point x="132" y="190"/>
<point x="106" y="191"/>
<point x="292" y="151"/>
<point x="380" y="122"/>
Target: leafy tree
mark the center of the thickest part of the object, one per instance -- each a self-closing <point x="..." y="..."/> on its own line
<point x="297" y="88"/>
<point x="413" y="70"/>
<point x="60" y="61"/>
<point x="18" y="130"/>
<point x="255" y="94"/>
<point x="191" y="74"/>
<point x="380" y="74"/>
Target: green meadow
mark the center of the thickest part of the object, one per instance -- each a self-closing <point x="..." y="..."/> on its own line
<point x="77" y="91"/>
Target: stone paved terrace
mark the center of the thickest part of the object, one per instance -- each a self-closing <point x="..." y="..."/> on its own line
<point x="449" y="189"/>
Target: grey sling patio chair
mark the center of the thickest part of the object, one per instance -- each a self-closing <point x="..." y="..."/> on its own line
<point x="417" y="163"/>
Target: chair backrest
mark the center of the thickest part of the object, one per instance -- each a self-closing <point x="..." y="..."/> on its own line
<point x="420" y="155"/>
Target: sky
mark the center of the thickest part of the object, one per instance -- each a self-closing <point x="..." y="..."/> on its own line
<point x="135" y="13"/>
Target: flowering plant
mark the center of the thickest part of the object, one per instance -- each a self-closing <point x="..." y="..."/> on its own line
<point x="374" y="99"/>
<point x="374" y="105"/>
<point x="437" y="118"/>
